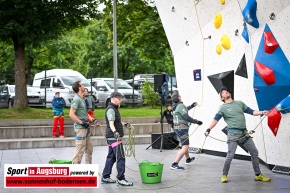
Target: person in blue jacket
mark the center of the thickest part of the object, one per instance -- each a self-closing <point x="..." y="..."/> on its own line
<point x="58" y="103"/>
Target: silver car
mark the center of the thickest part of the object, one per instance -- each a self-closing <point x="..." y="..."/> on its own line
<point x="105" y="86"/>
<point x="7" y="95"/>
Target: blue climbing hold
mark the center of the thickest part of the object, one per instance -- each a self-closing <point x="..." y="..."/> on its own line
<point x="284" y="105"/>
<point x="245" y="33"/>
<point x="249" y="13"/>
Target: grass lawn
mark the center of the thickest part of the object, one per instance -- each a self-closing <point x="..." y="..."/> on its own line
<point x="42" y="113"/>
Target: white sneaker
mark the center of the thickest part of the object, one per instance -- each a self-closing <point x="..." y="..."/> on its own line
<point x="124" y="182"/>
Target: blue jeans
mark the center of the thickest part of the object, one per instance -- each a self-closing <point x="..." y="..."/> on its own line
<point x="113" y="154"/>
<point x="232" y="146"/>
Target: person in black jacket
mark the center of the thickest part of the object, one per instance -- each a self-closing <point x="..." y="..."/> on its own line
<point x="168" y="114"/>
<point x="114" y="134"/>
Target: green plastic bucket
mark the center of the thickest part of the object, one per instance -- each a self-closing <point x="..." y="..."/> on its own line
<point x="151" y="172"/>
<point x="55" y="161"/>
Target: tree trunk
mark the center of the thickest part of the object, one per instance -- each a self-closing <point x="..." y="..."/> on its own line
<point x="20" y="100"/>
<point x="29" y="77"/>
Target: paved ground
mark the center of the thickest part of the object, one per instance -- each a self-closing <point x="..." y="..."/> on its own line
<point x="202" y="176"/>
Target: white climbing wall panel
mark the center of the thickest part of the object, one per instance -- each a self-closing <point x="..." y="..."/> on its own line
<point x="194" y="23"/>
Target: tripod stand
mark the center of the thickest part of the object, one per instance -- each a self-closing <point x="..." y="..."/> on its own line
<point x="161" y="137"/>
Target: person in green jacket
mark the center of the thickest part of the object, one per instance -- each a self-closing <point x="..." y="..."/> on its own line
<point x="181" y="121"/>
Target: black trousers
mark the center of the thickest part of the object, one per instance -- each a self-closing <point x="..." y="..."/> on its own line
<point x="115" y="154"/>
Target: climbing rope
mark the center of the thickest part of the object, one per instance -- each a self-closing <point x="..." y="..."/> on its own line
<point x="202" y="36"/>
<point x="250" y="132"/>
<point x="177" y="183"/>
<point x="178" y="146"/>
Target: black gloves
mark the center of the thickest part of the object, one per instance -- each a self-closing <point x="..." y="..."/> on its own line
<point x="193" y="104"/>
<point x="95" y="121"/>
<point x="207" y="132"/>
<point x="127" y="124"/>
<point x="116" y="134"/>
<point x="198" y="122"/>
<point x="85" y="125"/>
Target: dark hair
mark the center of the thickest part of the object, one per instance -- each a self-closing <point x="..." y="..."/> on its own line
<point x="87" y="89"/>
<point x="57" y="93"/>
<point x="116" y="95"/>
<point x="76" y="86"/>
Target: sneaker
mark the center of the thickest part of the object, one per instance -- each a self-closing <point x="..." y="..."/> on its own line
<point x="224" y="179"/>
<point x="124" y="182"/>
<point x="262" y="178"/>
<point x="189" y="160"/>
<point x="175" y="166"/>
<point x="108" y="180"/>
<point x="61" y="136"/>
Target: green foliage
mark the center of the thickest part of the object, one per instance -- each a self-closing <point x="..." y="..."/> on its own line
<point x="142" y="43"/>
<point x="32" y="23"/>
<point x="151" y="98"/>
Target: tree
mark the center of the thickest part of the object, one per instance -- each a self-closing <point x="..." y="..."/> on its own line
<point x="34" y="22"/>
<point x="142" y="43"/>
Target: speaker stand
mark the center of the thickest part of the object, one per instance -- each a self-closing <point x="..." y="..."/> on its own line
<point x="162" y="133"/>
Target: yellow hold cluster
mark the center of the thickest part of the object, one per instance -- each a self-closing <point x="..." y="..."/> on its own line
<point x="224" y="43"/>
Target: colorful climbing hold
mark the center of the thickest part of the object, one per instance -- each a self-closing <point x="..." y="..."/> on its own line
<point x="245" y="33"/>
<point x="223" y="2"/>
<point x="266" y="73"/>
<point x="274" y="119"/>
<point x="225" y="42"/>
<point x="284" y="105"/>
<point x="249" y="13"/>
<point x="270" y="44"/>
<point x="219" y="49"/>
<point x="218" y="20"/>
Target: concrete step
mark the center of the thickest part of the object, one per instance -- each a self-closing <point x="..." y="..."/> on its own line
<point x="27" y="143"/>
<point x="48" y="122"/>
<point x="16" y="132"/>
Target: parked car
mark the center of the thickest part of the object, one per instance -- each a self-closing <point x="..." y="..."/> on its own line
<point x="138" y="83"/>
<point x="7" y="95"/>
<point x="61" y="80"/>
<point x="105" y="86"/>
<point x="172" y="78"/>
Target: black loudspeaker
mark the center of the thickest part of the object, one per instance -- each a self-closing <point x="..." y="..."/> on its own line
<point x="169" y="142"/>
<point x="159" y="79"/>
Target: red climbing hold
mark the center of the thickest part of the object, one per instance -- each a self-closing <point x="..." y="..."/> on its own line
<point x="266" y="73"/>
<point x="274" y="119"/>
<point x="270" y="44"/>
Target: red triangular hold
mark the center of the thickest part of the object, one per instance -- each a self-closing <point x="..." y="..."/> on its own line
<point x="274" y="119"/>
<point x="266" y="73"/>
<point x="270" y="44"/>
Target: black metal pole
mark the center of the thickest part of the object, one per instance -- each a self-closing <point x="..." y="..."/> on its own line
<point x="45" y="87"/>
<point x="161" y="122"/>
<point x="133" y="92"/>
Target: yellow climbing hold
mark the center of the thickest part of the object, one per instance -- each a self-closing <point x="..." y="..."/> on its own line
<point x="218" y="21"/>
<point x="225" y="41"/>
<point x="218" y="49"/>
<point x="223" y="2"/>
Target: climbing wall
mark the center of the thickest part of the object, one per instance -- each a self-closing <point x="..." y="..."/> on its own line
<point x="225" y="44"/>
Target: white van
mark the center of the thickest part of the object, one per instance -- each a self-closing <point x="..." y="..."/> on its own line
<point x="105" y="86"/>
<point x="61" y="80"/>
